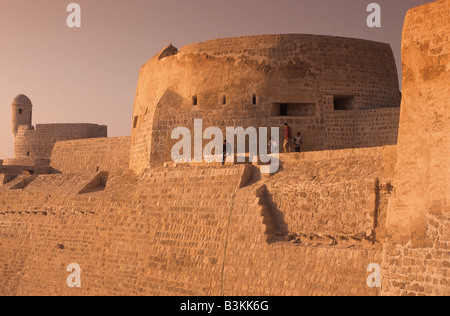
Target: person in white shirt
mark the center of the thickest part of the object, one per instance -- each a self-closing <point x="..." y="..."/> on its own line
<point x="298" y="140"/>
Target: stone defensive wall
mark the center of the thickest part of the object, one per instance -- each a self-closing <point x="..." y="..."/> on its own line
<point x="417" y="256"/>
<point x="38" y="142"/>
<point x="92" y="155"/>
<point x="339" y="92"/>
<point x="138" y="224"/>
<point x="197" y="230"/>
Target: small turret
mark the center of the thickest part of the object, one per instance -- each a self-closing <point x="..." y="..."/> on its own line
<point x="22" y="110"/>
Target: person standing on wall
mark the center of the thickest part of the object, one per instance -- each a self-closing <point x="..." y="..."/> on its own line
<point x="298" y="141"/>
<point x="226" y="151"/>
<point x="287" y="138"/>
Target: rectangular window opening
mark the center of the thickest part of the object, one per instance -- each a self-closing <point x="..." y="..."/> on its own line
<point x="135" y="122"/>
<point x="344" y="102"/>
<point x="294" y="109"/>
<point x="283" y="110"/>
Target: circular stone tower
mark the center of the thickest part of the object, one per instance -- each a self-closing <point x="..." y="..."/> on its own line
<point x="22" y="110"/>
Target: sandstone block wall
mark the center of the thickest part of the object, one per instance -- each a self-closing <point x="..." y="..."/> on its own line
<point x="344" y="195"/>
<point x="92" y="155"/>
<point x="359" y="128"/>
<point x="180" y="230"/>
<point x="248" y="81"/>
<point x="170" y="240"/>
<point x="39" y="142"/>
<point x="417" y="257"/>
<point x="311" y="229"/>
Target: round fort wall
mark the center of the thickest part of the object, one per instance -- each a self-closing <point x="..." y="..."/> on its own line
<point x="323" y="86"/>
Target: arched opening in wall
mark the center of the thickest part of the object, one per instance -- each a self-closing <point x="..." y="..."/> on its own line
<point x="194" y="100"/>
<point x="254" y="99"/>
<point x="135" y="122"/>
<point x="344" y="102"/>
<point x="224" y="100"/>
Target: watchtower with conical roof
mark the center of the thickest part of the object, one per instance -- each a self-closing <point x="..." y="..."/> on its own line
<point x="22" y="110"/>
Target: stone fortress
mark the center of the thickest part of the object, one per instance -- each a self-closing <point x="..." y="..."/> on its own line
<point x="339" y="92"/>
<point x="371" y="188"/>
<point x="33" y="146"/>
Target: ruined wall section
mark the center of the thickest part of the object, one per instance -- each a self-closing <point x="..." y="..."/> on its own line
<point x="38" y="142"/>
<point x="92" y="155"/>
<point x="245" y="81"/>
<point x="417" y="258"/>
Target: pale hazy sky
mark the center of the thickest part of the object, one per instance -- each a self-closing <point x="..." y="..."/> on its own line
<point x="90" y="74"/>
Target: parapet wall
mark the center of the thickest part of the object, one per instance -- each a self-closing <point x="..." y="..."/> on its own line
<point x="358" y="129"/>
<point x="39" y="142"/>
<point x="327" y="58"/>
<point x="92" y="155"/>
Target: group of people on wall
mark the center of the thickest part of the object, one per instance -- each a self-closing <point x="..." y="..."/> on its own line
<point x="289" y="142"/>
<point x="297" y="141"/>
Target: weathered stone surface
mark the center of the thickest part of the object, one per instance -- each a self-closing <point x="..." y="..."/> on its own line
<point x="419" y="214"/>
<point x="138" y="224"/>
<point x="253" y="76"/>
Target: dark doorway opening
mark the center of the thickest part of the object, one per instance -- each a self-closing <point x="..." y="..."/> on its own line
<point x="344" y="102"/>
